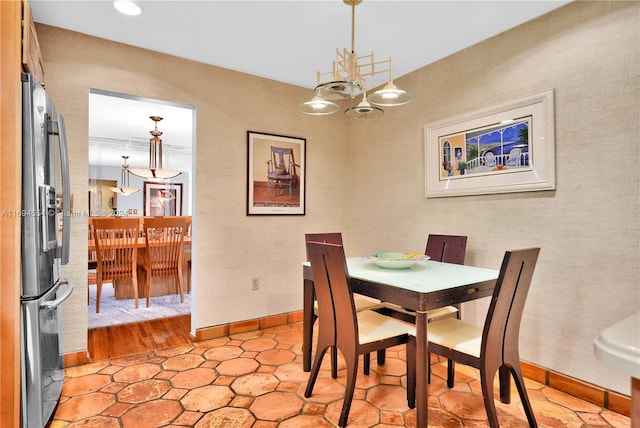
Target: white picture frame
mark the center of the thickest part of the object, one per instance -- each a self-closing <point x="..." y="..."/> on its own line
<point x="502" y="149"/>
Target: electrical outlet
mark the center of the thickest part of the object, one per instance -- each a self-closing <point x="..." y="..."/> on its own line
<point x="255" y="283"/>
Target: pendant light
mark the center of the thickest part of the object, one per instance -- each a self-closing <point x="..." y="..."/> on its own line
<point x="124" y="190"/>
<point x="318" y="106"/>
<point x="390" y="96"/>
<point x="155" y="170"/>
<point x="364" y="110"/>
<point x="347" y="80"/>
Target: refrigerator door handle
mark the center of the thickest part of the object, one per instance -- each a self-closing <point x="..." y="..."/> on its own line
<point x="58" y="128"/>
<point x="55" y="303"/>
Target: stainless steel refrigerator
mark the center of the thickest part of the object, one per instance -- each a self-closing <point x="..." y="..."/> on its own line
<point x="42" y="290"/>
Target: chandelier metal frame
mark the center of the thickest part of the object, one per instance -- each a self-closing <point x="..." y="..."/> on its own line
<point x="155" y="172"/>
<point x="347" y="79"/>
<point x="124" y="188"/>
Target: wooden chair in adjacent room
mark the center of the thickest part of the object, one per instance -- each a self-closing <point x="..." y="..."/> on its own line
<point x="340" y="326"/>
<point x="447" y="249"/>
<point x="494" y="347"/>
<point x="187" y="254"/>
<point x="116" y="242"/>
<point x="164" y="240"/>
<point x="92" y="265"/>
<point x="362" y="303"/>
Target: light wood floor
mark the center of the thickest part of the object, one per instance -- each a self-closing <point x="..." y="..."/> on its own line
<point x="127" y="339"/>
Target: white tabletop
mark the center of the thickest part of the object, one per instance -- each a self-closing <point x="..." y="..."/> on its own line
<point x="424" y="276"/>
<point x="618" y="346"/>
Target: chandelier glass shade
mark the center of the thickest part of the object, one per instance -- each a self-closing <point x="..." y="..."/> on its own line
<point x="124" y="188"/>
<point x="318" y="106"/>
<point x="347" y="79"/>
<point x="364" y="110"/>
<point x="155" y="170"/>
<point x="390" y="96"/>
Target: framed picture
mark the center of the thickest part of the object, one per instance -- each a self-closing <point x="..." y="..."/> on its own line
<point x="276" y="169"/>
<point x="162" y="199"/>
<point x="502" y="149"/>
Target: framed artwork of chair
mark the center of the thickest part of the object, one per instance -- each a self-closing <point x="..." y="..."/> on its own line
<point x="276" y="169"/>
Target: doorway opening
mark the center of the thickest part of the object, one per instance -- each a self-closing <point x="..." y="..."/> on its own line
<point x="120" y="127"/>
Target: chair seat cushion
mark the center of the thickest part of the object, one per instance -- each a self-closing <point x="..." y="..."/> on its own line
<point x="431" y="315"/>
<point x="373" y="327"/>
<point x="362" y="303"/>
<point x="455" y="334"/>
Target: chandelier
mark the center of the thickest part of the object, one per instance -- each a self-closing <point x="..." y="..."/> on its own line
<point x="347" y="79"/>
<point x="124" y="181"/>
<point x="155" y="171"/>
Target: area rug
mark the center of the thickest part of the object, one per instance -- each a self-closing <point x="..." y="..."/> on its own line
<point x="114" y="312"/>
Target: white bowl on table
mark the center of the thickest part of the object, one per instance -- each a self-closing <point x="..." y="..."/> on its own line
<point x="396" y="260"/>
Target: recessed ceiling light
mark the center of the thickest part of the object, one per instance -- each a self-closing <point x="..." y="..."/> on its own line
<point x="128" y="7"/>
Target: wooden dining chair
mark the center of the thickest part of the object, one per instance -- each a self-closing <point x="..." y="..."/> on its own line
<point x="340" y="326"/>
<point x="164" y="240"/>
<point x="92" y="265"/>
<point x="493" y="347"/>
<point x="362" y="303"/>
<point x="447" y="249"/>
<point x="187" y="255"/>
<point x="116" y="242"/>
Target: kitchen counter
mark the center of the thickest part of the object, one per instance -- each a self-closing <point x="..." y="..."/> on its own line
<point x="618" y="346"/>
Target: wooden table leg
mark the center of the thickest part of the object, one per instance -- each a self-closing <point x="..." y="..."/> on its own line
<point x="307" y="324"/>
<point x="422" y="367"/>
<point x="504" y="375"/>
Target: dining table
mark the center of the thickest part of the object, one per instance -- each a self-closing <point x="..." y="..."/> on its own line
<point x="424" y="286"/>
<point x="162" y="286"/>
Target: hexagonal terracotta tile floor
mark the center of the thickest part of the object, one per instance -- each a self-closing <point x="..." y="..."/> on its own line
<point x="256" y="380"/>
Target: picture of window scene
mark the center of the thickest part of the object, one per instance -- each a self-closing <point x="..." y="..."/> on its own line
<point x="492" y="149"/>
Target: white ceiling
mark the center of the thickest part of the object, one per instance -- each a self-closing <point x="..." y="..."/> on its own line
<point x="289" y="41"/>
<point x="119" y="125"/>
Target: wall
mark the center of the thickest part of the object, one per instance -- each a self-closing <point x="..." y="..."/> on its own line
<point x="136" y="200"/>
<point x="588" y="229"/>
<point x="229" y="247"/>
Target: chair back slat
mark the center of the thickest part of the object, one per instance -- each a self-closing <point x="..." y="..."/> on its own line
<point x="335" y="299"/>
<point x="164" y="239"/>
<point x="502" y="325"/>
<point x="446" y="248"/>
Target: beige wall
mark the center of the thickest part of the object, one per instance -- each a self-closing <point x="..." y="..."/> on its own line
<point x="588" y="229"/>
<point x="366" y="179"/>
<point x="230" y="248"/>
